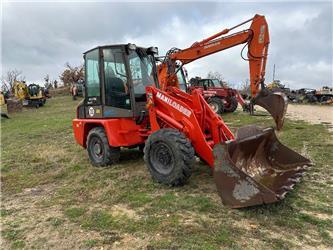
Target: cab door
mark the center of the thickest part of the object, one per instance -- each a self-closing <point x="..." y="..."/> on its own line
<point x="116" y="87"/>
<point x="93" y="101"/>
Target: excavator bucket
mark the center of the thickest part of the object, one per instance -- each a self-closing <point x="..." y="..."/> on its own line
<point x="275" y="103"/>
<point x="256" y="168"/>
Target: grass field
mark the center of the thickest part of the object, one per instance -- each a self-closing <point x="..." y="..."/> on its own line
<point x="53" y="198"/>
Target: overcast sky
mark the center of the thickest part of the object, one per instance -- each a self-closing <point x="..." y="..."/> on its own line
<point x="39" y="38"/>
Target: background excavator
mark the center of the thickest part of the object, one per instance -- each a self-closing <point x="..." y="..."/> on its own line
<point x="257" y="40"/>
<point x="126" y="106"/>
<point x="31" y="95"/>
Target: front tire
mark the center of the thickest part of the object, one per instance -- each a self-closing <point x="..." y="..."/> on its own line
<point x="169" y="156"/>
<point x="100" y="152"/>
<point x="232" y="104"/>
<point x="216" y="104"/>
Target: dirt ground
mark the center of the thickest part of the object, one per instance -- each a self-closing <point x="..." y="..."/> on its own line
<point x="315" y="114"/>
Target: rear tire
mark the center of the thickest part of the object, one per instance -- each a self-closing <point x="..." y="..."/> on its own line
<point x="169" y="156"/>
<point x="232" y="104"/>
<point x="100" y="152"/>
<point x="216" y="104"/>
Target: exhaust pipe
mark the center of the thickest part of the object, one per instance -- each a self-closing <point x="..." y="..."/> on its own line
<point x="256" y="168"/>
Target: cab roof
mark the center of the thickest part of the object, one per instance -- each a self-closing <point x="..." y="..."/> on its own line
<point x="110" y="46"/>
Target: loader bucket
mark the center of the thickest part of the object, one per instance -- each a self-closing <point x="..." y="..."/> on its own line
<point x="275" y="103"/>
<point x="256" y="168"/>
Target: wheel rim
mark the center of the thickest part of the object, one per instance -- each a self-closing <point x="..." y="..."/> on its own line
<point x="214" y="106"/>
<point x="161" y="158"/>
<point x="96" y="148"/>
<point x="227" y="104"/>
<point x="230" y="104"/>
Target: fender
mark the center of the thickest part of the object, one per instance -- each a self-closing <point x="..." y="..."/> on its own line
<point x="120" y="132"/>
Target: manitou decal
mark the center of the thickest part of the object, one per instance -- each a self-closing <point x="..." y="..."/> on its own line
<point x="211" y="45"/>
<point x="173" y="104"/>
<point x="261" y="34"/>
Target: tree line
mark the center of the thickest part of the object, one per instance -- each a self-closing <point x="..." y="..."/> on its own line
<point x="71" y="74"/>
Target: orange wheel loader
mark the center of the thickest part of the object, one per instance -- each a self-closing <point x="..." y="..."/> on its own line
<point x="125" y="106"/>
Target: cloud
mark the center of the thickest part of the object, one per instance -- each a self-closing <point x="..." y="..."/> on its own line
<point x="39" y="38"/>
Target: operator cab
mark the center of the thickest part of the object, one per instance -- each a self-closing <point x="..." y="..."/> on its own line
<point x="207" y="83"/>
<point x="116" y="77"/>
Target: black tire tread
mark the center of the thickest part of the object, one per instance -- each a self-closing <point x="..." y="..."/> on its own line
<point x="219" y="101"/>
<point x="185" y="162"/>
<point x="233" y="104"/>
<point x="112" y="155"/>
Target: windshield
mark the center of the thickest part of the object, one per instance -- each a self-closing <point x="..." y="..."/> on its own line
<point x="181" y="79"/>
<point x="142" y="71"/>
<point x="217" y="83"/>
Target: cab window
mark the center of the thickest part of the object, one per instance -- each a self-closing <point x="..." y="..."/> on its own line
<point x="92" y="74"/>
<point x="205" y="83"/>
<point x="115" y="78"/>
<point x="142" y="72"/>
<point x="181" y="80"/>
<point x="216" y="83"/>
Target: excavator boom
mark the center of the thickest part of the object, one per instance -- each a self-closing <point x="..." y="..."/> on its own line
<point x="257" y="40"/>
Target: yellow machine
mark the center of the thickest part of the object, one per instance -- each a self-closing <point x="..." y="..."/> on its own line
<point x="20" y="90"/>
<point x="31" y="95"/>
<point x="2" y="103"/>
<point x="2" y="99"/>
<point x="274" y="85"/>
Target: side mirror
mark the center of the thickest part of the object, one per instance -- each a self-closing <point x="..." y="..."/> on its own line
<point x="152" y="50"/>
<point x="131" y="46"/>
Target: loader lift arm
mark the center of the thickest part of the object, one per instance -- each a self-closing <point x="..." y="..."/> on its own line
<point x="257" y="40"/>
<point x="250" y="168"/>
